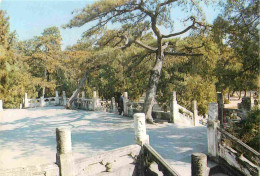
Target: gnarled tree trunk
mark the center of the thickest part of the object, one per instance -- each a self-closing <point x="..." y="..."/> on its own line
<point x="152" y="87"/>
<point x="81" y="83"/>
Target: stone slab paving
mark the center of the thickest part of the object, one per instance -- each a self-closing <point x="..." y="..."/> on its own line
<point x="27" y="136"/>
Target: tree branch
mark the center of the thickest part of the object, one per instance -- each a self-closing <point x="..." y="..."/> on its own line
<point x="182" y="54"/>
<point x="182" y="32"/>
<point x="152" y="49"/>
<point x="163" y="4"/>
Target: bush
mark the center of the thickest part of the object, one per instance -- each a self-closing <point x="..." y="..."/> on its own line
<point x="248" y="129"/>
<point x="226" y="101"/>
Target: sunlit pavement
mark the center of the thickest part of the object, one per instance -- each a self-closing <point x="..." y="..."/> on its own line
<point x="27" y="136"/>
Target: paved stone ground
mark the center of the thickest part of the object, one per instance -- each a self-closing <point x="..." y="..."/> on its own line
<point x="27" y="136"/>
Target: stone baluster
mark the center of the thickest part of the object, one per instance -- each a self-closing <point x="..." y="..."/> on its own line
<point x="220" y="101"/>
<point x="140" y="129"/>
<point x="26" y="101"/>
<point x="42" y="102"/>
<point x="113" y="104"/>
<point x="64" y="157"/>
<point x="199" y="164"/>
<point x="94" y="100"/>
<point x="195" y="113"/>
<point x="125" y="104"/>
<point x="83" y="95"/>
<point x="64" y="98"/>
<point x="174" y="114"/>
<point x="1" y="105"/>
<point x="57" y="98"/>
<point x="252" y="99"/>
<point x="213" y="124"/>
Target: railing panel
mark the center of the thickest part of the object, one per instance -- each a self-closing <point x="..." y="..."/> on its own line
<point x="237" y="154"/>
<point x="150" y="155"/>
<point x="239" y="146"/>
<point x="108" y="161"/>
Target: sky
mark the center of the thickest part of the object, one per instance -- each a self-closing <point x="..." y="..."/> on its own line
<point x="30" y="17"/>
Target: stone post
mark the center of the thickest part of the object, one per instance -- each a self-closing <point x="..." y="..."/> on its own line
<point x="64" y="157"/>
<point x="42" y="103"/>
<point x="198" y="164"/>
<point x="173" y="107"/>
<point x="252" y="99"/>
<point x="94" y="99"/>
<point x="57" y="97"/>
<point x="64" y="98"/>
<point x="113" y="104"/>
<point x="21" y="106"/>
<point x="83" y="95"/>
<point x="1" y="105"/>
<point x="195" y="113"/>
<point x="140" y="129"/>
<point x="213" y="124"/>
<point x="125" y="103"/>
<point x="220" y="101"/>
<point x="26" y="101"/>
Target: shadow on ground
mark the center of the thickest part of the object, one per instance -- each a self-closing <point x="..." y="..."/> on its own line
<point x="94" y="132"/>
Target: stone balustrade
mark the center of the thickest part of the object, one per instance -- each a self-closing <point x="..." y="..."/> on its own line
<point x="228" y="151"/>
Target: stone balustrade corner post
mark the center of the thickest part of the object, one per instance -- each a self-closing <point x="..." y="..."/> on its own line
<point x="1" y="105"/>
<point x="26" y="101"/>
<point x="213" y="124"/>
<point x="113" y="104"/>
<point x="195" y="113"/>
<point x="42" y="102"/>
<point x="83" y="95"/>
<point x="140" y="129"/>
<point x="199" y="164"/>
<point x="94" y="99"/>
<point x="64" y="158"/>
<point x="125" y="103"/>
<point x="64" y="98"/>
<point x="174" y="111"/>
<point x="57" y="97"/>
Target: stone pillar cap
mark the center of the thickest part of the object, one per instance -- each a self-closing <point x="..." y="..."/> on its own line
<point x="139" y="114"/>
<point x="64" y="128"/>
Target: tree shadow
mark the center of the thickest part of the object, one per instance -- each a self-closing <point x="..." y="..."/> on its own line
<point x="93" y="132"/>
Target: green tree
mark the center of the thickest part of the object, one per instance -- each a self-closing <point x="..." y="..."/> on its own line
<point x="236" y="33"/>
<point x="44" y="59"/>
<point x="137" y="17"/>
<point x="15" y="79"/>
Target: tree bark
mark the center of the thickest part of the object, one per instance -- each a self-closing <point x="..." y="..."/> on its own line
<point x="76" y="92"/>
<point x="152" y="87"/>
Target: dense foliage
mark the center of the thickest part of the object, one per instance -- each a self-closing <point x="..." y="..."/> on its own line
<point x="248" y="129"/>
<point x="228" y="57"/>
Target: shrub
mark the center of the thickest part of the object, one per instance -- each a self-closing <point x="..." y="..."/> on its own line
<point x="226" y="101"/>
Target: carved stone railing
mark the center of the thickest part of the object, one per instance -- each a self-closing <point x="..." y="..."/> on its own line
<point x="237" y="153"/>
<point x="121" y="160"/>
<point x="50" y="101"/>
<point x="85" y="104"/>
<point x="227" y="150"/>
<point x="41" y="102"/>
<point x="150" y="155"/>
<point x="33" y="102"/>
<point x="177" y="113"/>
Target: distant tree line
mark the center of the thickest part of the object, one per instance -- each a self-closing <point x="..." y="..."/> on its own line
<point x="136" y="58"/>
